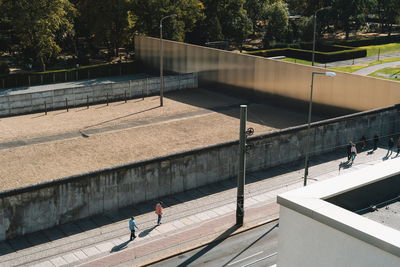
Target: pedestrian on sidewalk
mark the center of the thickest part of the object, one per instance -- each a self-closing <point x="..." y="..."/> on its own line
<point x="353" y="152"/>
<point x="348" y="149"/>
<point x="376" y="140"/>
<point x="159" y="212"/>
<point x="363" y="142"/>
<point x="390" y="147"/>
<point x="398" y="146"/>
<point x="132" y="226"/>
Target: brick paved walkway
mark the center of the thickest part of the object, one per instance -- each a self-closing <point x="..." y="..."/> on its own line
<point x="191" y="219"/>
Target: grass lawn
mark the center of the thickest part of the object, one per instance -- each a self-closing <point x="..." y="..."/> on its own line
<point x="373" y="50"/>
<point x="300" y="61"/>
<point x="387" y="71"/>
<point x="353" y="68"/>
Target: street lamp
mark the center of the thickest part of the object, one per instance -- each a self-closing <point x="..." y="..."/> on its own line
<point x="329" y="74"/>
<point x="315" y="29"/>
<point x="162" y="58"/>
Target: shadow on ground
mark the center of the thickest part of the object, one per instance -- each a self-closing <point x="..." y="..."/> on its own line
<point x="95" y="222"/>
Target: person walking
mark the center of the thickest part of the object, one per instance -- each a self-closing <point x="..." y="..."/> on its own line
<point x="363" y="142"/>
<point x="132" y="226"/>
<point x="376" y="140"/>
<point x="398" y="147"/>
<point x="353" y="152"/>
<point x="348" y="149"/>
<point x="159" y="212"/>
<point x="390" y="147"/>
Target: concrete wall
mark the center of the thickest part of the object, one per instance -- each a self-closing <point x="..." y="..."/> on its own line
<point x="41" y="206"/>
<point x="15" y="104"/>
<point x="303" y="241"/>
<point x="274" y="79"/>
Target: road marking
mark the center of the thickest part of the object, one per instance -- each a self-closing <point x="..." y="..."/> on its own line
<point x="245" y="258"/>
<point x="266" y="257"/>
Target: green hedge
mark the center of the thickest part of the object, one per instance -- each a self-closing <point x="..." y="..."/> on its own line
<point x="338" y="53"/>
<point x="370" y="41"/>
<point x="74" y="74"/>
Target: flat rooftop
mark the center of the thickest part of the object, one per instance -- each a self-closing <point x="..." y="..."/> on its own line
<point x="37" y="147"/>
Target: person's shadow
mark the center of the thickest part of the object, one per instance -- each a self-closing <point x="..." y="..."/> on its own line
<point x="147" y="231"/>
<point x="120" y="246"/>
<point x="345" y="164"/>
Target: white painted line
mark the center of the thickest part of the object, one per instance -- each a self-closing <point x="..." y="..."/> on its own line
<point x="264" y="258"/>
<point x="258" y="253"/>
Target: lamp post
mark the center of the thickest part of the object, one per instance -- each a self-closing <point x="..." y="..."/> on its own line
<point x="329" y="74"/>
<point x="162" y="58"/>
<point x="315" y="29"/>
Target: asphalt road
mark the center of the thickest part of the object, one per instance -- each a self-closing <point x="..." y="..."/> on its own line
<point x="256" y="247"/>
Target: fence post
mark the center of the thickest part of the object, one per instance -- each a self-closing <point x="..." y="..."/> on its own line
<point x="125" y="96"/>
<point x="107" y="99"/>
<point x="147" y="86"/>
<point x="45" y="108"/>
<point x="379" y="53"/>
<point x="66" y="104"/>
<point x="87" y="101"/>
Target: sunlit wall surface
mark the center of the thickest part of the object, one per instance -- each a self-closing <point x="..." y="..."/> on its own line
<point x="269" y="77"/>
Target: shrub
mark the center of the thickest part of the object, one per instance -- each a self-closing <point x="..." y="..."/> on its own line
<point x="4" y="69"/>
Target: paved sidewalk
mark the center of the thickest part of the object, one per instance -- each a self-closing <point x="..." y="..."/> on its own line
<point x="363" y="60"/>
<point x="369" y="70"/>
<point x="192" y="218"/>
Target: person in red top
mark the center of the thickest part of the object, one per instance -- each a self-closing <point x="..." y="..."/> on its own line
<point x="159" y="212"/>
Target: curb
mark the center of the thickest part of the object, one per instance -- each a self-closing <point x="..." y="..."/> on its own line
<point x="239" y="231"/>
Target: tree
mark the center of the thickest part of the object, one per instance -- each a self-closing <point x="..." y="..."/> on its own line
<point x="351" y="14"/>
<point x="39" y="24"/>
<point x="389" y="13"/>
<point x="277" y="18"/>
<point x="256" y="11"/>
<point x="103" y="23"/>
<point x="146" y="16"/>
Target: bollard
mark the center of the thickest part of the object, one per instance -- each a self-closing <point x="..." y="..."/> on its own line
<point x="107" y="99"/>
<point x="87" y="101"/>
<point x="45" y="108"/>
<point x="66" y="104"/>
<point x="125" y="96"/>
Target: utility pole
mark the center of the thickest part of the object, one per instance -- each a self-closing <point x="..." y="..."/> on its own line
<point x="242" y="167"/>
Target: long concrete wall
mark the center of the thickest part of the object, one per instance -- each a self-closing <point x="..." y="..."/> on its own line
<point x="41" y="206"/>
<point x="23" y="103"/>
<point x="272" y="78"/>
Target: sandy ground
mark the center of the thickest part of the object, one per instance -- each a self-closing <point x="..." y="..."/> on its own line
<point x="189" y="119"/>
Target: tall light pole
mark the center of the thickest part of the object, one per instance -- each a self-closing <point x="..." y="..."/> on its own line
<point x="315" y="29"/>
<point x="162" y="58"/>
<point x="307" y="149"/>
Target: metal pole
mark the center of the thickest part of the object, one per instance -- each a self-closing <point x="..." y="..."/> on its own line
<point x="87" y="101"/>
<point x="45" y="108"/>
<point x="379" y="53"/>
<point x="161" y="65"/>
<point x="315" y="29"/>
<point x="66" y="104"/>
<point x="242" y="167"/>
<point x="162" y="59"/>
<point x="107" y="99"/>
<point x="308" y="131"/>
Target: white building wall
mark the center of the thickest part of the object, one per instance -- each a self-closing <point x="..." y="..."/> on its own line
<point x="305" y="242"/>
